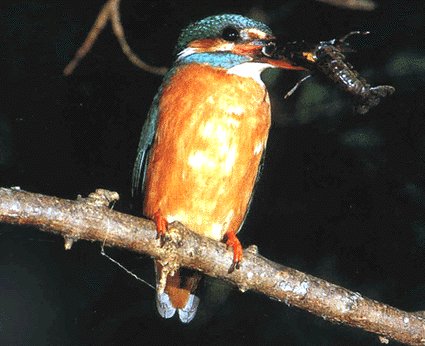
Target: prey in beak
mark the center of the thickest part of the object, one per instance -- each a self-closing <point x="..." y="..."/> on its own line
<point x="327" y="59"/>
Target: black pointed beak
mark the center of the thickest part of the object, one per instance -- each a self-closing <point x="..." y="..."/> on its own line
<point x="270" y="54"/>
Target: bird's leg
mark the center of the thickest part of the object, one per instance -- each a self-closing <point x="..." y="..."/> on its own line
<point x="161" y="226"/>
<point x="295" y="87"/>
<point x="233" y="242"/>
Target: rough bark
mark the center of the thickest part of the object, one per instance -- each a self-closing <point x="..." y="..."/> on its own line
<point x="91" y="219"/>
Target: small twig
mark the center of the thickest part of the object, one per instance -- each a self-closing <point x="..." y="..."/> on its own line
<point x="359" y="5"/>
<point x="120" y="35"/>
<point x="98" y="26"/>
<point x="110" y="11"/>
<point x="82" y="219"/>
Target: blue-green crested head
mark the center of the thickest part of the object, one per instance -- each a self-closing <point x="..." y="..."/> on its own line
<point x="227" y="41"/>
<point x="227" y="27"/>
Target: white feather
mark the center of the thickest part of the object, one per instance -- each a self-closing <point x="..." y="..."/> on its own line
<point x="250" y="70"/>
<point x="186" y="52"/>
<point x="189" y="311"/>
<point x="164" y="306"/>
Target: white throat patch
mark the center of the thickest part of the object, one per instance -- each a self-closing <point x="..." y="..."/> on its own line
<point x="250" y="70"/>
<point x="186" y="52"/>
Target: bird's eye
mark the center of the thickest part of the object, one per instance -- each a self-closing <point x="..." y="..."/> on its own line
<point x="230" y="34"/>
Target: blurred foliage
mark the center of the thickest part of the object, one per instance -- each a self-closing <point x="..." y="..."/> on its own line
<point x="407" y="64"/>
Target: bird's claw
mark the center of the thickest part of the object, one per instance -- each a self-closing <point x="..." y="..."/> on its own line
<point x="233" y="242"/>
<point x="162" y="238"/>
<point x="161" y="227"/>
<point x="234" y="265"/>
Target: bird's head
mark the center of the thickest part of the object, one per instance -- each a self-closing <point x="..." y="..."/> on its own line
<point x="228" y="40"/>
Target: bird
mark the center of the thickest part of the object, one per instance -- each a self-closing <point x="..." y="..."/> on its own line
<point x="202" y="146"/>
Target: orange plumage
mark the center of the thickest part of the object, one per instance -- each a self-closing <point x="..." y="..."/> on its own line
<point x="209" y="141"/>
<point x="204" y="161"/>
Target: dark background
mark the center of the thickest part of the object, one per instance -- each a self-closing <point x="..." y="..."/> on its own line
<point x="341" y="197"/>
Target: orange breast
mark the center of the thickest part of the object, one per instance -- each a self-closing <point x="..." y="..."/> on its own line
<point x="211" y="133"/>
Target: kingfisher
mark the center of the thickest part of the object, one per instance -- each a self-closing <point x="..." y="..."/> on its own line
<point x="202" y="146"/>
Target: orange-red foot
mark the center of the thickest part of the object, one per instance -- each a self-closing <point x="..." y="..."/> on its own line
<point x="234" y="242"/>
<point x="161" y="226"/>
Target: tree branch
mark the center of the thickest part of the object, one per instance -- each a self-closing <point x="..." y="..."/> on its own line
<point x="359" y="5"/>
<point x="110" y="12"/>
<point x="91" y="219"/>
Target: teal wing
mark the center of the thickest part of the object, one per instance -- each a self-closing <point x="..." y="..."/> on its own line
<point x="147" y="137"/>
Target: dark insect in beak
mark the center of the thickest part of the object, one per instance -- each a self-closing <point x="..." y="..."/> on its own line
<point x="327" y="59"/>
<point x="269" y="49"/>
